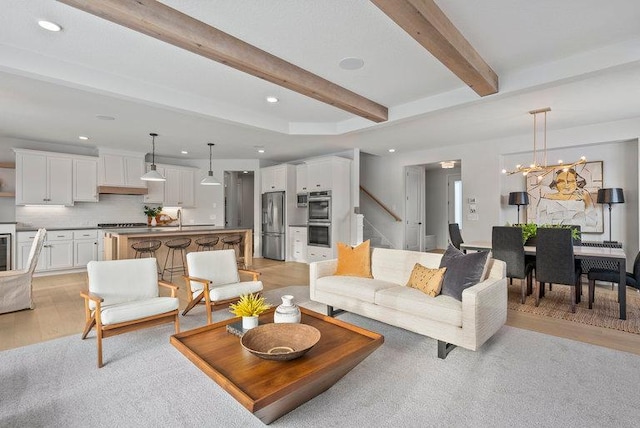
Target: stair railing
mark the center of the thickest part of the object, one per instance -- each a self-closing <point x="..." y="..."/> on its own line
<point x="382" y="205"/>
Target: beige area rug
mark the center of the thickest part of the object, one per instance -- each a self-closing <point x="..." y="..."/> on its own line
<point x="605" y="312"/>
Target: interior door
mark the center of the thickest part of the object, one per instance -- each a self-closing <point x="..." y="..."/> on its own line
<point x="414" y="212"/>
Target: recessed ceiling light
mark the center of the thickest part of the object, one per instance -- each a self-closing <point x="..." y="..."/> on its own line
<point x="245" y="172"/>
<point x="448" y="164"/>
<point x="82" y="137"/>
<point x="260" y="150"/>
<point x="392" y="150"/>
<point x="272" y="99"/>
<point x="184" y="152"/>
<point x="104" y="117"/>
<point x="48" y="25"/>
<point x="351" y="63"/>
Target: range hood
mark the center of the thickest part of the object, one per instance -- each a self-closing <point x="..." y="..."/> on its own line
<point x="121" y="190"/>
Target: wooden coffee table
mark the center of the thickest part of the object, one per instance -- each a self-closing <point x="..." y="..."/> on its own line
<point x="270" y="389"/>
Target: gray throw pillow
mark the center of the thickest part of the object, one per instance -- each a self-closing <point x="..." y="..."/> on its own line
<point x="463" y="270"/>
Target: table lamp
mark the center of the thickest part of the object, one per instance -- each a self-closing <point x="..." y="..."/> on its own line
<point x="610" y="196"/>
<point x="518" y="198"/>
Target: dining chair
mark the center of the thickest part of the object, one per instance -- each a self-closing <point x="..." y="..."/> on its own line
<point x="506" y="245"/>
<point x="213" y="276"/>
<point x="16" y="285"/>
<point x="124" y="296"/>
<point x="613" y="276"/>
<point x="556" y="263"/>
<point x="454" y="235"/>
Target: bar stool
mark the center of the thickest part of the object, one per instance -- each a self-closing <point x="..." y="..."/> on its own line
<point x="207" y="243"/>
<point x="233" y="241"/>
<point x="174" y="245"/>
<point x="147" y="249"/>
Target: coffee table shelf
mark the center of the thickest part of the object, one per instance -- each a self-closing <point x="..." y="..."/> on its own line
<point x="267" y="388"/>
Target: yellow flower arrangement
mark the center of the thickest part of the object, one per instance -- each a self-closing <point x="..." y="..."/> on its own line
<point x="249" y="305"/>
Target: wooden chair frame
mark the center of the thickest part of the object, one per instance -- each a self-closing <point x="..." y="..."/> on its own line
<point x="206" y="295"/>
<point x="104" y="331"/>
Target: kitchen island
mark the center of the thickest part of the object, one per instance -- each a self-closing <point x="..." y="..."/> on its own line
<point x="117" y="242"/>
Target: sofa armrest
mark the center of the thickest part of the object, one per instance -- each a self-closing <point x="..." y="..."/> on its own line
<point x="318" y="270"/>
<point x="484" y="310"/>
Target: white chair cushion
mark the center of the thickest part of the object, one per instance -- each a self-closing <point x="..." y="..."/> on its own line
<point x="230" y="291"/>
<point x="121" y="281"/>
<point x="219" y="267"/>
<point x="123" y="312"/>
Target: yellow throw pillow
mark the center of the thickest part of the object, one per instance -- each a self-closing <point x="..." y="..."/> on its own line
<point x="427" y="280"/>
<point x="354" y="261"/>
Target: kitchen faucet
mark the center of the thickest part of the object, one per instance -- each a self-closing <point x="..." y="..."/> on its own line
<point x="180" y="218"/>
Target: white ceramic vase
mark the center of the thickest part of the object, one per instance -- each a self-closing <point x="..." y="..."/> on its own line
<point x="249" y="322"/>
<point x="287" y="312"/>
<point x="154" y="223"/>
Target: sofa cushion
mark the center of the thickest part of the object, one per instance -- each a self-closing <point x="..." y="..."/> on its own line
<point x="441" y="308"/>
<point x="427" y="280"/>
<point x="354" y="261"/>
<point x="463" y="270"/>
<point x="351" y="286"/>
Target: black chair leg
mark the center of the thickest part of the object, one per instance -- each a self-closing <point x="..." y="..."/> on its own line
<point x="592" y="292"/>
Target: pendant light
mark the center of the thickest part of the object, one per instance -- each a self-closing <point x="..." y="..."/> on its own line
<point x="209" y="180"/>
<point x="153" y="174"/>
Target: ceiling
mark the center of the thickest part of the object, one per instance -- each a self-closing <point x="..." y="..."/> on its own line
<point x="575" y="56"/>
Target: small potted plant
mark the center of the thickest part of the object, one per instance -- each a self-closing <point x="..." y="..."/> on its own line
<point x="249" y="307"/>
<point x="151" y="213"/>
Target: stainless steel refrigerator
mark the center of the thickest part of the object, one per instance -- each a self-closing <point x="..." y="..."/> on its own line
<point x="273" y="227"/>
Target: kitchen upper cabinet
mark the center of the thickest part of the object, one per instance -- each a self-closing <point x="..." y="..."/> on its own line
<point x="179" y="189"/>
<point x="43" y="178"/>
<point x="328" y="173"/>
<point x="302" y="178"/>
<point x="155" y="189"/>
<point x="85" y="179"/>
<point x="274" y="178"/>
<point x="121" y="169"/>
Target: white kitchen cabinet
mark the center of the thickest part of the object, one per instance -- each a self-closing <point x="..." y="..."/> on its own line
<point x="85" y="247"/>
<point x="316" y="254"/>
<point x="121" y="169"/>
<point x="319" y="175"/>
<point x="43" y="179"/>
<point x="298" y="244"/>
<point x="62" y="249"/>
<point x="57" y="250"/>
<point x="179" y="189"/>
<point x="155" y="189"/>
<point x="85" y="179"/>
<point x="302" y="178"/>
<point x="274" y="178"/>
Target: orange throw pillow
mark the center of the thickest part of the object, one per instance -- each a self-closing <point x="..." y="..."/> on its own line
<point x="427" y="280"/>
<point x="354" y="261"/>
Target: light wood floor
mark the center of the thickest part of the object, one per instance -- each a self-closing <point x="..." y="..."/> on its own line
<point x="60" y="311"/>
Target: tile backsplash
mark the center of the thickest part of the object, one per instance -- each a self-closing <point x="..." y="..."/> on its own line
<point x="110" y="209"/>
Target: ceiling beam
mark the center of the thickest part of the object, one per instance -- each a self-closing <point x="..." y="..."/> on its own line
<point x="429" y="26"/>
<point x="169" y="25"/>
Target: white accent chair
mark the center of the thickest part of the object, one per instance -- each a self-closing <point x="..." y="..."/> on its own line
<point x="15" y="285"/>
<point x="214" y="277"/>
<point x="123" y="296"/>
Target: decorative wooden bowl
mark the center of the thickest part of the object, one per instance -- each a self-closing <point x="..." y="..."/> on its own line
<point x="283" y="341"/>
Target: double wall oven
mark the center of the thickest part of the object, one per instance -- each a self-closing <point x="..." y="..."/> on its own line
<point x="319" y="219"/>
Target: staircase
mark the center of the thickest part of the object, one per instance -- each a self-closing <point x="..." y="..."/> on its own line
<point x="375" y="236"/>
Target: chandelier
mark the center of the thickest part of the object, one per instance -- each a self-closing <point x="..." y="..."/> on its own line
<point x="540" y="165"/>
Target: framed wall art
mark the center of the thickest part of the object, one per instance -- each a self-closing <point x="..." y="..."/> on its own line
<point x="562" y="196"/>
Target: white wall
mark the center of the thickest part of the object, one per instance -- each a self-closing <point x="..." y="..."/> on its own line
<point x="437" y="211"/>
<point x="482" y="179"/>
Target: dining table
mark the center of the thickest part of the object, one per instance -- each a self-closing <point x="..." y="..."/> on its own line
<point x="615" y="255"/>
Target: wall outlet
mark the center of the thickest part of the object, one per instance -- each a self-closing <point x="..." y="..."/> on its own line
<point x="212" y="217"/>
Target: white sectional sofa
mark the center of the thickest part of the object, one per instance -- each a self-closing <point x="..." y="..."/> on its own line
<point x="468" y="324"/>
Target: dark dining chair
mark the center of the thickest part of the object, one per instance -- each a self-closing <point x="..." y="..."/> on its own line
<point x="613" y="276"/>
<point x="506" y="245"/>
<point x="556" y="263"/>
<point x="454" y="235"/>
